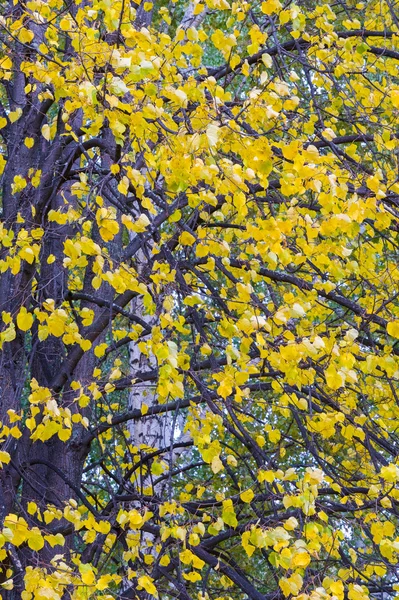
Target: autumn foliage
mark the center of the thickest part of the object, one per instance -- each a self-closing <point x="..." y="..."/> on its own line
<point x="199" y="306"/>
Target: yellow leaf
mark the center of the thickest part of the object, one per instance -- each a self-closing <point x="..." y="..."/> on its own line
<point x="146" y="583"/>
<point x="14" y="115"/>
<point x="55" y="540"/>
<point x="291" y="585"/>
<point x="266" y="476"/>
<point x="390" y="473"/>
<point x="15" y="432"/>
<point x="32" y="508"/>
<point x="106" y="221"/>
<point x="247" y="496"/>
<point x="27" y="254"/>
<point x="25" y="36"/>
<point x="180" y="97"/>
<point x="291" y="524"/>
<point x="186" y="239"/>
<point x="337" y="588"/>
<point x="301" y="560"/>
<point x="334" y="378"/>
<point x="216" y="464"/>
<point x="46" y="132"/>
<point x="103" y="527"/>
<point x="329" y="134"/>
<point x="35" y="541"/>
<point x="87" y="574"/>
<point x="393" y="329"/>
<point x="212" y="133"/>
<point x="192" y="576"/>
<point x="24" y="319"/>
<point x="8" y="585"/>
<point x="4" y="457"/>
<point x="99" y="350"/>
<point x="135" y="519"/>
<point x="65" y="24"/>
<point x="104" y="581"/>
<point x="270" y="7"/>
<point x="64" y="434"/>
<point x="186" y="557"/>
<point x="274" y="436"/>
<point x="395" y="98"/>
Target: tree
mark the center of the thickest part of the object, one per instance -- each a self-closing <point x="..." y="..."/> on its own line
<point x="199" y="310"/>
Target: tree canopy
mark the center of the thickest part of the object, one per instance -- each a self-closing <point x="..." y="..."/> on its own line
<point x="199" y="355"/>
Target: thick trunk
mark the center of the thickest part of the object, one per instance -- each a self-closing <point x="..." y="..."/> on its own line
<point x="42" y="472"/>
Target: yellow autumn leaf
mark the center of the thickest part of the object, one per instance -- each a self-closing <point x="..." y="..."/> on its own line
<point x="35" y="541"/>
<point x="15" y="115"/>
<point x="64" y="434"/>
<point x="390" y="473"/>
<point x="24" y="319"/>
<point x="139" y="225"/>
<point x="87" y="574"/>
<point x="55" y="540"/>
<point x="99" y="350"/>
<point x="212" y="134"/>
<point x="301" y="560"/>
<point x="334" y="378"/>
<point x="274" y="436"/>
<point x="146" y="582"/>
<point x="15" y="432"/>
<point x="395" y="98"/>
<point x="337" y="588"/>
<point x="65" y="24"/>
<point x="46" y="132"/>
<point x="135" y="519"/>
<point x="186" y="557"/>
<point x="291" y="585"/>
<point x="186" y="239"/>
<point x="103" y="526"/>
<point x="4" y="457"/>
<point x="268" y="476"/>
<point x="25" y="35"/>
<point x="270" y="6"/>
<point x="247" y="496"/>
<point x="192" y="576"/>
<point x="216" y="464"/>
<point x="393" y="329"/>
<point x="32" y="508"/>
<point x="291" y="524"/>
